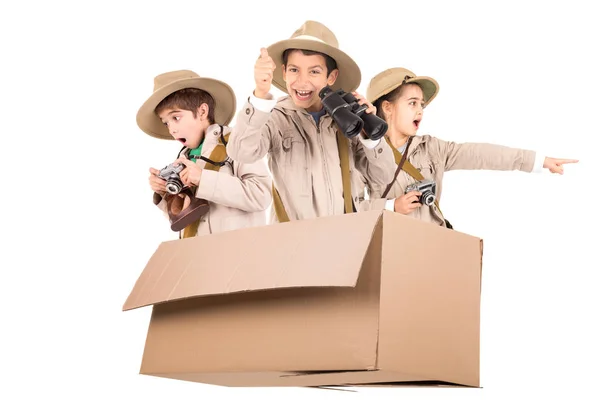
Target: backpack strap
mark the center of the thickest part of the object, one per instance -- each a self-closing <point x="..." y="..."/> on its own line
<point x="343" y="151"/>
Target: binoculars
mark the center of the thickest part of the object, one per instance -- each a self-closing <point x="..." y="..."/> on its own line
<point x="350" y="116"/>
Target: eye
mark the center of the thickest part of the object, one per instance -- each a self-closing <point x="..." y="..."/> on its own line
<point x="292" y="69"/>
<point x="176" y="117"/>
<point x="412" y="103"/>
<point x="315" y="72"/>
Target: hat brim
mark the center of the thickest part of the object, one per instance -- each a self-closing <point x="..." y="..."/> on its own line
<point x="428" y="85"/>
<point x="349" y="76"/>
<point x="221" y="92"/>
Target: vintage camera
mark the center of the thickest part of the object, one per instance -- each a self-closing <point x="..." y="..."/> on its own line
<point x="170" y="173"/>
<point x="350" y="116"/>
<point x="427" y="189"/>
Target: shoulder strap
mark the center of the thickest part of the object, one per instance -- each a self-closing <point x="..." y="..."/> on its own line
<point x="217" y="159"/>
<point x="400" y="160"/>
<point x="278" y="206"/>
<point x="218" y="156"/>
<point x="342" y="143"/>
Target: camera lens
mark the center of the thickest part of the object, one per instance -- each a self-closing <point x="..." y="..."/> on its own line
<point x="427" y="198"/>
<point x="174" y="187"/>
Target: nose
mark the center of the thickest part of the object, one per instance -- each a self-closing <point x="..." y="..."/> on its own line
<point x="172" y="130"/>
<point x="302" y="78"/>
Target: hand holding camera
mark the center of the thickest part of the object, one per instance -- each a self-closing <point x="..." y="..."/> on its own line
<point x="421" y="193"/>
<point x="190" y="173"/>
<point x="173" y="182"/>
<point x="175" y="177"/>
<point x="170" y="175"/>
<point x="158" y="185"/>
<point x="426" y="188"/>
<point x="407" y="203"/>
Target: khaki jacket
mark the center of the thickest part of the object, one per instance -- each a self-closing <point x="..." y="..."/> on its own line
<point x="304" y="158"/>
<point x="238" y="193"/>
<point x="432" y="157"/>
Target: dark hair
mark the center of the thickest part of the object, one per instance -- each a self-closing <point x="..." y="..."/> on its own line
<point x="391" y="97"/>
<point x="188" y="99"/>
<point x="330" y="63"/>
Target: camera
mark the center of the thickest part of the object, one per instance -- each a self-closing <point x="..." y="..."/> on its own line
<point x="427" y="189"/>
<point x="170" y="173"/>
<point x="350" y="116"/>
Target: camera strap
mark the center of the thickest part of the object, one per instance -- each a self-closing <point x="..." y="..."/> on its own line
<point x="406" y="166"/>
<point x="342" y="144"/>
<point x="218" y="158"/>
<point x="400" y="159"/>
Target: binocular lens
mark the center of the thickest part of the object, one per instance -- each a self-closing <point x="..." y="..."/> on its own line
<point x="375" y="126"/>
<point x="350" y="116"/>
<point x="353" y="128"/>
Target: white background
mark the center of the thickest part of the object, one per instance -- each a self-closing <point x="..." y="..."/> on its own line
<point x="79" y="224"/>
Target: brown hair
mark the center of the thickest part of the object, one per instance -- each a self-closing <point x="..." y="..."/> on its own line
<point x="188" y="99"/>
<point x="330" y="63"/>
<point x="391" y="97"/>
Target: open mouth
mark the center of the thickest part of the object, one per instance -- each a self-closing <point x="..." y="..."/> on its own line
<point x="182" y="140"/>
<point x="303" y="95"/>
<point x="416" y="123"/>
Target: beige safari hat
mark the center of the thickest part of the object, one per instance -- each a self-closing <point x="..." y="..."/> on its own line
<point x="315" y="36"/>
<point x="170" y="82"/>
<point x="388" y="80"/>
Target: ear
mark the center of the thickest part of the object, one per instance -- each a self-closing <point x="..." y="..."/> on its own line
<point x="203" y="111"/>
<point x="283" y="72"/>
<point x="387" y="108"/>
<point x="332" y="77"/>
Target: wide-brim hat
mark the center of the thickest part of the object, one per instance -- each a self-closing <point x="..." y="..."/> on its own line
<point x="388" y="80"/>
<point x="170" y="82"/>
<point x="315" y="36"/>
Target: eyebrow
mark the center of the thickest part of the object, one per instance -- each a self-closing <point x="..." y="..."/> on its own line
<point x="170" y="113"/>
<point x="311" y="67"/>
<point x="416" y="98"/>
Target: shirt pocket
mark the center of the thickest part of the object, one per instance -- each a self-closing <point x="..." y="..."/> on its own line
<point x="295" y="163"/>
<point x="426" y="168"/>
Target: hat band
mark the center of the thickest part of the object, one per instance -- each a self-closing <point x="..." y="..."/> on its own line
<point x="308" y="37"/>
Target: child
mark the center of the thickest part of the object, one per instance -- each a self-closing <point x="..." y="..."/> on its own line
<point x="316" y="169"/>
<point x="400" y="97"/>
<point x="195" y="111"/>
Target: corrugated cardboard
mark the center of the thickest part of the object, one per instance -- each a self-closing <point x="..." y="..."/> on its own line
<point x="364" y="298"/>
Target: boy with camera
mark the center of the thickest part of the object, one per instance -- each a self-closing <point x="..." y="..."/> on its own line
<point x="316" y="166"/>
<point x="203" y="191"/>
<point x="400" y="97"/>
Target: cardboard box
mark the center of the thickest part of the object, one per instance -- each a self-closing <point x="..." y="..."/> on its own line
<point x="365" y="298"/>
